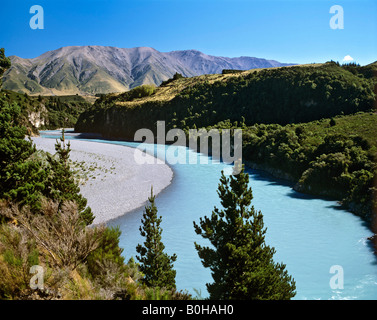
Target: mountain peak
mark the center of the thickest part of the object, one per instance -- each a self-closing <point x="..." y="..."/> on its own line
<point x="95" y="69"/>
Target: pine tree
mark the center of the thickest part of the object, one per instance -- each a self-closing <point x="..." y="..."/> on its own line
<point x="21" y="177"/>
<point x="241" y="263"/>
<point x="4" y="63"/>
<point x="156" y="265"/>
<point x="62" y="185"/>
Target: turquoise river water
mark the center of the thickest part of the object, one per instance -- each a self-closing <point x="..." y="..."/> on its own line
<point x="310" y="235"/>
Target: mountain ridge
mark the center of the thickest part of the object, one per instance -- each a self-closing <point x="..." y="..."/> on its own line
<point x="89" y="70"/>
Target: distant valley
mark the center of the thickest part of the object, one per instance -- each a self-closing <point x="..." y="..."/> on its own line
<point x="89" y="70"/>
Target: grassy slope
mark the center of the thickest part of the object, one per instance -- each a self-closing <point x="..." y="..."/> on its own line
<point x="171" y="90"/>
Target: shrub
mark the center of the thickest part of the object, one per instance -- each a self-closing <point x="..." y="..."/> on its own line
<point x="108" y="251"/>
<point x="59" y="232"/>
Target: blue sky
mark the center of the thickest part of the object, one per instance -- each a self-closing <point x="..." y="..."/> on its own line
<point x="288" y="31"/>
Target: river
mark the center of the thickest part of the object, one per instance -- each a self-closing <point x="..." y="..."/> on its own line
<point x="311" y="235"/>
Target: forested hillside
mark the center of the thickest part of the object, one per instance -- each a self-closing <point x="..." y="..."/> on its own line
<point x="333" y="158"/>
<point x="278" y="95"/>
<point x="47" y="112"/>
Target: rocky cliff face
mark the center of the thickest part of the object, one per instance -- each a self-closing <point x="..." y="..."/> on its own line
<point x="97" y="69"/>
<point x="38" y="117"/>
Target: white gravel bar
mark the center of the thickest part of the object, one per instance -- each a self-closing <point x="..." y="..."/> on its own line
<point x="112" y="180"/>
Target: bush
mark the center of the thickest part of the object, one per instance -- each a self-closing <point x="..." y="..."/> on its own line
<point x="175" y="77"/>
<point x="108" y="251"/>
<point x="18" y="253"/>
<point x="136" y="93"/>
<point x="59" y="231"/>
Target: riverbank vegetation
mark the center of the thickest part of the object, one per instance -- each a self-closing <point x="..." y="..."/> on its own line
<point x="333" y="158"/>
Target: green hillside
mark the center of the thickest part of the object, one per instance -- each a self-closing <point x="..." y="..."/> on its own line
<point x="277" y="95"/>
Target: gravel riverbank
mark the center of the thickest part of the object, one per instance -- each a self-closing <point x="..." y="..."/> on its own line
<point x="112" y="181"/>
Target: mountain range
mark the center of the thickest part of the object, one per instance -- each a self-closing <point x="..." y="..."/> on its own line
<point x="88" y="70"/>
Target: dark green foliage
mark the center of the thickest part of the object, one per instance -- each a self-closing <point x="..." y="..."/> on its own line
<point x="369" y="71"/>
<point x="56" y="112"/>
<point x="230" y="71"/>
<point x="4" y="63"/>
<point x="322" y="162"/>
<point x="64" y="111"/>
<point x="156" y="265"/>
<point x="61" y="183"/>
<point x="22" y="179"/>
<point x="108" y="251"/>
<point x="175" y="77"/>
<point x="241" y="263"/>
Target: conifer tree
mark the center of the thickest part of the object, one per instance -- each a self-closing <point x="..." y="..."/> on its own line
<point x="62" y="185"/>
<point x="4" y="63"/>
<point x="241" y="263"/>
<point x="155" y="264"/>
<point x="21" y="178"/>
